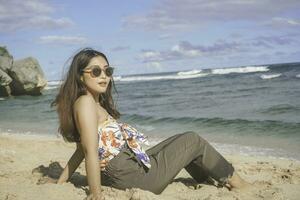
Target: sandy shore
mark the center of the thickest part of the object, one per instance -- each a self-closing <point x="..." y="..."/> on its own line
<point x="20" y="155"/>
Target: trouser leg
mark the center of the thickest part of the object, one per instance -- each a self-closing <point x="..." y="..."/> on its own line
<point x="168" y="158"/>
<point x="194" y="168"/>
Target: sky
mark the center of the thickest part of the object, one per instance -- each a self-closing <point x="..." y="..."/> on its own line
<point x="152" y="36"/>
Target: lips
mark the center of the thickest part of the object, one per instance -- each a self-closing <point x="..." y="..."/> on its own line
<point x="102" y="84"/>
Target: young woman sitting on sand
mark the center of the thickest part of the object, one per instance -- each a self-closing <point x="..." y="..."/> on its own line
<point x="112" y="149"/>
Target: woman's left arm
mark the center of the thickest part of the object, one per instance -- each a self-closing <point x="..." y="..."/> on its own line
<point x="72" y="164"/>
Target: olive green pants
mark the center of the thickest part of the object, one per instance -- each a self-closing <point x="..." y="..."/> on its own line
<point x="187" y="150"/>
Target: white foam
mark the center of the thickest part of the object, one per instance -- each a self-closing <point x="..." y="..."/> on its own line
<point x="50" y="87"/>
<point x="1" y="99"/>
<point x="54" y="82"/>
<point x="189" y="72"/>
<point x="117" y="78"/>
<point x="166" y="77"/>
<point x="252" y="151"/>
<point x="270" y="76"/>
<point x="248" y="69"/>
<point x="298" y="75"/>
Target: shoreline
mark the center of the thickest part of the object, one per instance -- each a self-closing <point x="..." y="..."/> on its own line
<point x="224" y="148"/>
<point x="19" y="156"/>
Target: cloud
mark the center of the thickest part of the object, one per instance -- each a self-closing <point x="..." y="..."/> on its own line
<point x="156" y="65"/>
<point x="18" y="15"/>
<point x="183" y="14"/>
<point x="120" y="48"/>
<point x="164" y="36"/>
<point x="62" y="40"/>
<point x="279" y="22"/>
<point x="186" y="50"/>
<point x="271" y="41"/>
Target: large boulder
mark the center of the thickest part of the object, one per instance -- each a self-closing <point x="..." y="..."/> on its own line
<point x="6" y="63"/>
<point x="4" y="52"/>
<point x="5" y="80"/>
<point x="28" y="77"/>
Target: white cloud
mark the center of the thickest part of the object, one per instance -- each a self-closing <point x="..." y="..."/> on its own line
<point x="186" y="50"/>
<point x="156" y="65"/>
<point x="62" y="40"/>
<point x="185" y="14"/>
<point x="280" y="22"/>
<point x="120" y="48"/>
<point x="18" y="15"/>
<point x="192" y="52"/>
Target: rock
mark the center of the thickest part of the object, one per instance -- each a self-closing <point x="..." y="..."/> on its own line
<point x="5" y="80"/>
<point x="28" y="77"/>
<point x="4" y="52"/>
<point x="6" y="63"/>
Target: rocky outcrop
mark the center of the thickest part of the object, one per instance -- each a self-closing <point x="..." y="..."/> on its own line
<point x="5" y="80"/>
<point x="21" y="77"/>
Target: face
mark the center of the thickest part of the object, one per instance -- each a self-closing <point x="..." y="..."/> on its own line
<point x="96" y="84"/>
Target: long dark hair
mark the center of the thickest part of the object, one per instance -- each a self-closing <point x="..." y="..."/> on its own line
<point x="72" y="88"/>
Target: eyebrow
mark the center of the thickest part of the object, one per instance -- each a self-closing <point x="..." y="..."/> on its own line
<point x="105" y="66"/>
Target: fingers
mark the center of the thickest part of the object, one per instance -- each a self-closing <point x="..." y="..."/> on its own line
<point x="45" y="180"/>
<point x="103" y="164"/>
<point x="94" y="197"/>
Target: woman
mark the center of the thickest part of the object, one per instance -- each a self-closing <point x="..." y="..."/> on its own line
<point x="88" y="116"/>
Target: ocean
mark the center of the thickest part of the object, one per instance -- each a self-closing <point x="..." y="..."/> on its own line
<point x="250" y="110"/>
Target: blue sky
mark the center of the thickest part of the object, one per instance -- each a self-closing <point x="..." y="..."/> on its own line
<point x="153" y="36"/>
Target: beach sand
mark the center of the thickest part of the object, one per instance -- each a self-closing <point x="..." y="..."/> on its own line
<point x="24" y="160"/>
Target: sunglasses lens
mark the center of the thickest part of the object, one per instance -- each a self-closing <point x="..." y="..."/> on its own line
<point x="96" y="71"/>
<point x="109" y="71"/>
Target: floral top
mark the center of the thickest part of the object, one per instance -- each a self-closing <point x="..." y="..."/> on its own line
<point x="114" y="134"/>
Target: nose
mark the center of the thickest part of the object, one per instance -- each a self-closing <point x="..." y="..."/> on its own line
<point x="103" y="74"/>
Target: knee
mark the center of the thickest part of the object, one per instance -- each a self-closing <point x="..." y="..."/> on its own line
<point x="194" y="136"/>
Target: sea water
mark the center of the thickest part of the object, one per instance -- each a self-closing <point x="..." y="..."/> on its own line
<point x="253" y="110"/>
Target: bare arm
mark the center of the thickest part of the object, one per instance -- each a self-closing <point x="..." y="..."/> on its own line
<point x="87" y="121"/>
<point x="72" y="165"/>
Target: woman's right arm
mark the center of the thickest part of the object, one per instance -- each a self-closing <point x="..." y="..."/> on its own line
<point x="87" y="122"/>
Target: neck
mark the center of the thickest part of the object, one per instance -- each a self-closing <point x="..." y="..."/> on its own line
<point x="94" y="95"/>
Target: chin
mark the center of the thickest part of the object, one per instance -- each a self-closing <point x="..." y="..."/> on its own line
<point x="102" y="90"/>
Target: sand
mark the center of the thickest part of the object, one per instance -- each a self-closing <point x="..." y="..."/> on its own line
<point x="26" y="160"/>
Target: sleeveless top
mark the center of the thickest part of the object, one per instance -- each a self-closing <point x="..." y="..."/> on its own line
<point x="113" y="135"/>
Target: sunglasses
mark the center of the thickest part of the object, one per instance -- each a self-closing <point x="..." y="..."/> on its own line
<point x="96" y="71"/>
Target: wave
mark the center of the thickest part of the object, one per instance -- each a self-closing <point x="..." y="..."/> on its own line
<point x="270" y="76"/>
<point x="51" y="87"/>
<point x="2" y="99"/>
<point x="255" y="126"/>
<point x="249" y="69"/>
<point x="189" y="72"/>
<point x="54" y="82"/>
<point x="117" y="78"/>
<point x="280" y="108"/>
<point x="164" y="77"/>
<point x="298" y="75"/>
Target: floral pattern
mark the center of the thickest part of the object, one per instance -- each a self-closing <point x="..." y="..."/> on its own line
<point x="112" y="137"/>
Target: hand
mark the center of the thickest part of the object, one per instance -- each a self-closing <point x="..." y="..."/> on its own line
<point x="95" y="197"/>
<point x="46" y="179"/>
<point x="103" y="164"/>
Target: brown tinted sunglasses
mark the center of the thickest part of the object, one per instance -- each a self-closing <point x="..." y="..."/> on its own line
<point x="96" y="71"/>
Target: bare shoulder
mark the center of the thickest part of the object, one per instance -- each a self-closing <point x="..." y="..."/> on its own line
<point x="84" y="102"/>
<point x="85" y="112"/>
